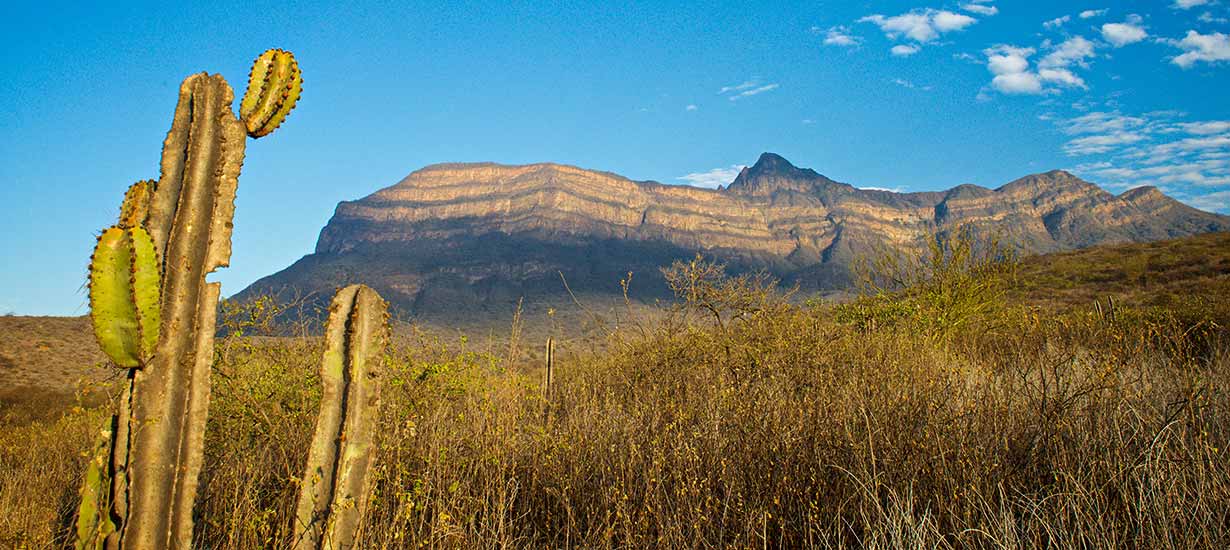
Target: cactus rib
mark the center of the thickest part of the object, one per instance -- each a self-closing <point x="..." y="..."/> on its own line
<point x="333" y="495"/>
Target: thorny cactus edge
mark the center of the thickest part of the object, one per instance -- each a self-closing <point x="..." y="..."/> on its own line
<point x="154" y="313"/>
<point x="336" y="481"/>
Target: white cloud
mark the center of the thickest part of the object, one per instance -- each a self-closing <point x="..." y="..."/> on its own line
<point x="1056" y="22"/>
<point x="1017" y="83"/>
<point x="889" y="189"/>
<point x="919" y="26"/>
<point x="905" y="50"/>
<point x="1062" y="77"/>
<point x="1092" y="13"/>
<point x="691" y="107"/>
<point x="841" y="36"/>
<point x="1010" y="65"/>
<point x="713" y="178"/>
<point x="1072" y="51"/>
<point x="1189" y="4"/>
<point x="1122" y="34"/>
<point x="1210" y="48"/>
<point x="946" y="21"/>
<point x="980" y="8"/>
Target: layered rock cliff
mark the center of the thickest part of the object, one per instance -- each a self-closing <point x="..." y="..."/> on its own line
<point x="473" y="236"/>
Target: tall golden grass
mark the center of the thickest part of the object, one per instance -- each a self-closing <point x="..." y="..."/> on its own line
<point x="738" y="418"/>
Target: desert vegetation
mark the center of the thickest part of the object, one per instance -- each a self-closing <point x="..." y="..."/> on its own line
<point x="941" y="409"/>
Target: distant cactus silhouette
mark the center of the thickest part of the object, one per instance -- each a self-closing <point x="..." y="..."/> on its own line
<point x="154" y="313"/>
<point x="333" y="494"/>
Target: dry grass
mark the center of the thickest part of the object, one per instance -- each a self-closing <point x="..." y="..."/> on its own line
<point x="747" y="421"/>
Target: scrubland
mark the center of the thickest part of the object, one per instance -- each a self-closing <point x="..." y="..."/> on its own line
<point x="952" y="405"/>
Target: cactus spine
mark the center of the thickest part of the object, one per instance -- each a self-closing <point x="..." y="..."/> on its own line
<point x="171" y="235"/>
<point x="333" y="495"/>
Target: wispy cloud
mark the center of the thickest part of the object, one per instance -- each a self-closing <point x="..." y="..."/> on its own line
<point x="1102" y="143"/>
<point x="889" y="189"/>
<point x="907" y="84"/>
<point x="691" y="107"/>
<point x="839" y="36"/>
<point x="1088" y="14"/>
<point x="738" y="87"/>
<point x="905" y="50"/>
<point x="712" y="179"/>
<point x="1218" y="201"/>
<point x="980" y="7"/>
<point x="754" y="91"/>
<point x="1188" y="158"/>
<point x="1056" y="22"/>
<point x="746" y="89"/>
<point x="1188" y="4"/>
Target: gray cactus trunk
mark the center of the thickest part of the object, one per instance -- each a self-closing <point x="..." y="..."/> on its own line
<point x="336" y="481"/>
<point x="161" y="427"/>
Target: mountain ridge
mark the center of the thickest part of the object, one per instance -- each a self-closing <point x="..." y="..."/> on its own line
<point x="443" y="234"/>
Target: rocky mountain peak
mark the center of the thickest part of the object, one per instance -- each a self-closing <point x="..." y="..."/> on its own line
<point x="773" y="173"/>
<point x="1054" y="181"/>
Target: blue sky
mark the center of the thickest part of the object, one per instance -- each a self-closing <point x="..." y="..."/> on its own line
<point x="908" y="96"/>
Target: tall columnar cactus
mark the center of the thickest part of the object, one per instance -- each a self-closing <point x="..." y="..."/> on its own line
<point x="335" y="485"/>
<point x="154" y="312"/>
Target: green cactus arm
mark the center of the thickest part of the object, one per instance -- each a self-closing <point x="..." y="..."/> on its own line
<point x="336" y="482"/>
<point x="124" y="289"/>
<point x="135" y="208"/>
<point x="93" y="516"/>
<point x="274" y="86"/>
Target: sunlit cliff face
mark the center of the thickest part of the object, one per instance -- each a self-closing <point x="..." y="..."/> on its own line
<point x="772" y="208"/>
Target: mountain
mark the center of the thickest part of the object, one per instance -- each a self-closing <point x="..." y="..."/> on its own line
<point x="454" y="241"/>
